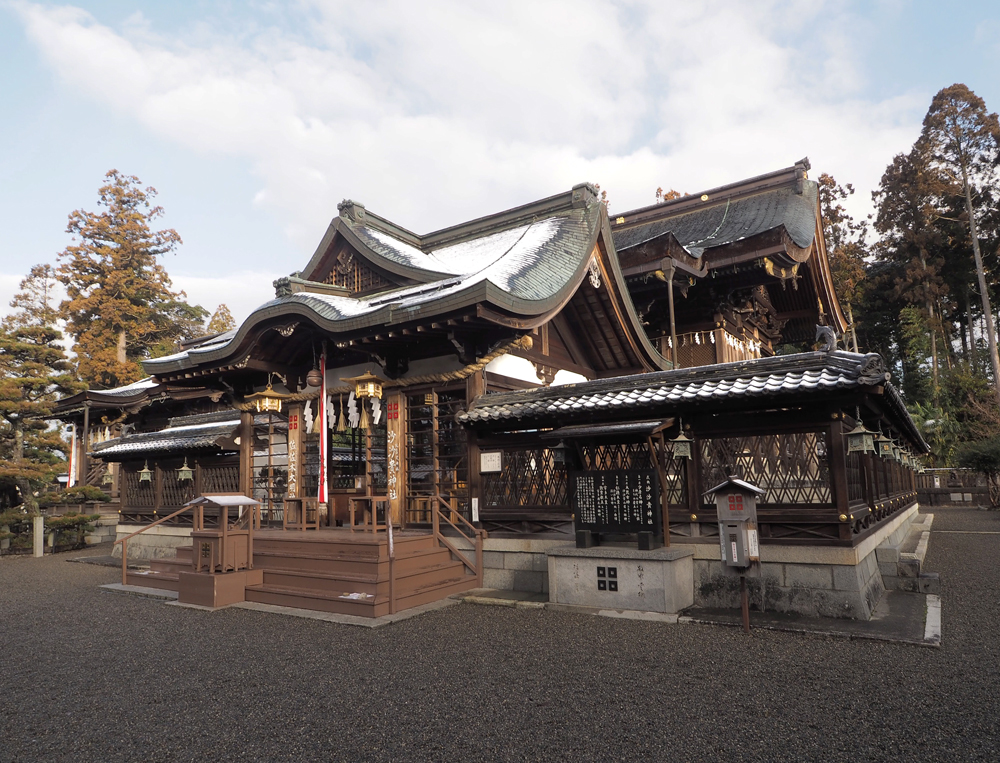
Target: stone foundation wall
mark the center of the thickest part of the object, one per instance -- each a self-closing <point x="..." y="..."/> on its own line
<point x="819" y="581"/>
<point x="158" y="543"/>
<point x="105" y="531"/>
<point x="513" y="564"/>
<point x="841" y="590"/>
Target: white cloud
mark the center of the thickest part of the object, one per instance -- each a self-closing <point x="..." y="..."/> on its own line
<point x="435" y="113"/>
<point x="241" y="291"/>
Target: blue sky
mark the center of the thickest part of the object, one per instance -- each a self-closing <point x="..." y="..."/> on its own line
<point x="253" y="119"/>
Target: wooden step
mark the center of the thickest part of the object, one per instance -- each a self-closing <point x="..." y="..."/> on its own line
<point x="172" y="566"/>
<point x="341" y="545"/>
<point x="166" y="581"/>
<point x="412" y="560"/>
<point x="372" y="582"/>
<point x="317" y="601"/>
<point x="185" y="554"/>
<point x="437" y="592"/>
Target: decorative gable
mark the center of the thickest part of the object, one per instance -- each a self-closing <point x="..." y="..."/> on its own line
<point x="354" y="274"/>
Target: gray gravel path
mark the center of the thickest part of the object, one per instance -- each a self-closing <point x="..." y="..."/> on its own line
<point x="91" y="675"/>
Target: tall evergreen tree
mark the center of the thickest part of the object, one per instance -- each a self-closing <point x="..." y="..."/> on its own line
<point x="960" y="146"/>
<point x="120" y="308"/>
<point x="34" y="370"/>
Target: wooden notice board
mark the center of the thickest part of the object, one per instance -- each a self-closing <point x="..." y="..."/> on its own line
<point x="626" y="501"/>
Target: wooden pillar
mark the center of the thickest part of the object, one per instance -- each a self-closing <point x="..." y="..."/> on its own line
<point x="393" y="407"/>
<point x="837" y="457"/>
<point x="246" y="454"/>
<point x="157" y="487"/>
<point x="84" y="446"/>
<point x="692" y="480"/>
<point x="474" y="387"/>
<point x="294" y="450"/>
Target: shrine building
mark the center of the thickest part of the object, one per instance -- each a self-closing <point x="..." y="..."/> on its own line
<point x="414" y="415"/>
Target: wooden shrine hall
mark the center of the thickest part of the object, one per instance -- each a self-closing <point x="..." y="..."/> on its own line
<point x="398" y="422"/>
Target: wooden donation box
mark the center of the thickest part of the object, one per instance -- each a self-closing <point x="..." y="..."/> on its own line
<point x="617" y="502"/>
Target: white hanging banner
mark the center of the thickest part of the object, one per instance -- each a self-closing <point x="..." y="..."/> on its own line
<point x="71" y="473"/>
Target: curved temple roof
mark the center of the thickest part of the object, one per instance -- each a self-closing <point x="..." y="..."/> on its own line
<point x="523" y="263"/>
<point x="666" y="392"/>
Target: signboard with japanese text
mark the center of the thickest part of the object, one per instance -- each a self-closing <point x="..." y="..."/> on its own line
<point x="617" y="501"/>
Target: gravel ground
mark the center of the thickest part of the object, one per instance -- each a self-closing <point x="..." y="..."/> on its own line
<point x="91" y="675"/>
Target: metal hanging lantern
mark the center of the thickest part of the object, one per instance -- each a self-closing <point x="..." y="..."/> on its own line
<point x="559" y="453"/>
<point x="682" y="445"/>
<point x="185" y="472"/>
<point x="145" y="473"/>
<point x="366" y="385"/>
<point x="268" y="400"/>
<point x="884" y="446"/>
<point x="860" y="439"/>
<point x="897" y="453"/>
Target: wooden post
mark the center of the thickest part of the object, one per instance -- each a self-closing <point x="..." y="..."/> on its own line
<point x="744" y="602"/>
<point x="85" y="445"/>
<point x="246" y="454"/>
<point x="659" y="463"/>
<point x="395" y="468"/>
<point x="474" y="387"/>
<point x="294" y="451"/>
<point x="837" y="459"/>
<point x="692" y="479"/>
<point x="157" y="487"/>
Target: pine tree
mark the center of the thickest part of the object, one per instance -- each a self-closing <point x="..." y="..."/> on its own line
<point x="33" y="371"/>
<point x="119" y="307"/>
<point x="960" y="146"/>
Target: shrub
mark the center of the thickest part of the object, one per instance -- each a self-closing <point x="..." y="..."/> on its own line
<point x="79" y="494"/>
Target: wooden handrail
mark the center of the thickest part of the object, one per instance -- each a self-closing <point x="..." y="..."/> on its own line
<point x="124" y="541"/>
<point x="477" y="540"/>
<point x="198" y="523"/>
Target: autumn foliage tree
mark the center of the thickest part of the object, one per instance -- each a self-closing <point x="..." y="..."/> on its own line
<point x="222" y="320"/>
<point x="120" y="308"/>
<point x="845" y="245"/>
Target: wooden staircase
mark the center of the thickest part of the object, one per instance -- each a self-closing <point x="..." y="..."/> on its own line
<point x="337" y="571"/>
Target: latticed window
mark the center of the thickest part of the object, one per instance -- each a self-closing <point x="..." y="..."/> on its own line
<point x="138" y="495"/>
<point x="529" y="477"/>
<point x="436" y="453"/>
<point x="792" y="468"/>
<point x="855" y="477"/>
<point x="355" y="275"/>
<point x="348" y="451"/>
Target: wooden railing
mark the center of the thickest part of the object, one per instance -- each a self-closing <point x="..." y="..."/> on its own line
<point x="124" y="541"/>
<point x="221" y="554"/>
<point x="476" y="537"/>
